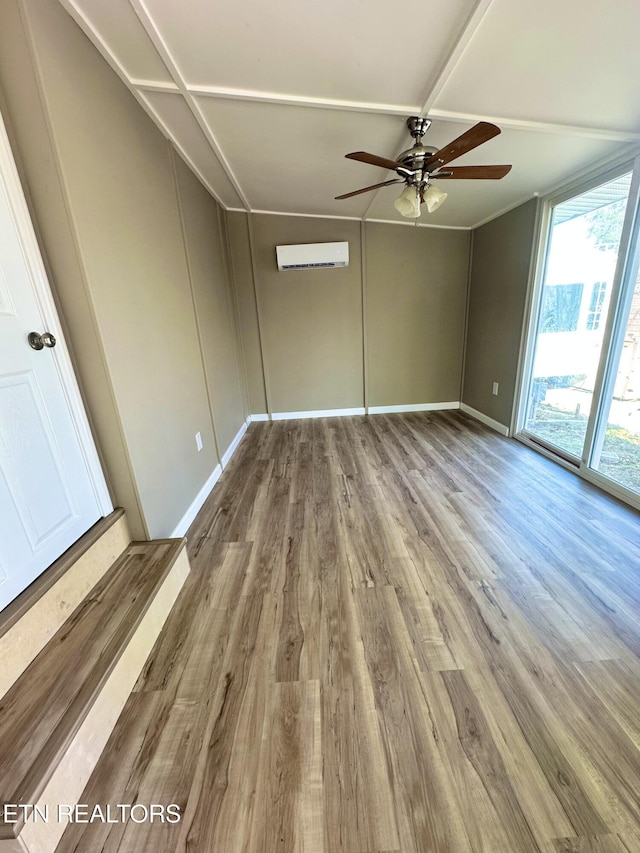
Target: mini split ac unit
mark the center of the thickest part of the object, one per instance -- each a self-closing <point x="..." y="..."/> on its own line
<point x="313" y="256"/>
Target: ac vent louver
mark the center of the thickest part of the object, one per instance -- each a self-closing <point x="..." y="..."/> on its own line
<point x="311" y="266"/>
<point x="313" y="256"/>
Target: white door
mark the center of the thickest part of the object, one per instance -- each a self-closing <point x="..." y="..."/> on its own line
<point x="51" y="487"/>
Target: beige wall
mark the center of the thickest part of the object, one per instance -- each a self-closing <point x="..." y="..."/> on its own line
<point x="416" y="290"/>
<point x="242" y="271"/>
<point x="104" y="193"/>
<point x="500" y="266"/>
<point x="205" y="239"/>
<point x="310" y="320"/>
<point x="310" y="325"/>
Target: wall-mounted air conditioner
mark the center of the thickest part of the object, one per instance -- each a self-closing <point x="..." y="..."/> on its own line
<point x="313" y="256"/>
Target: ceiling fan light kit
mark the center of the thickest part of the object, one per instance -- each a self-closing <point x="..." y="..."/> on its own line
<point x="433" y="198"/>
<point x="418" y="166"/>
<point x="408" y="202"/>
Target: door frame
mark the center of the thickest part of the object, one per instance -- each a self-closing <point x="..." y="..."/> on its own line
<point x="50" y="319"/>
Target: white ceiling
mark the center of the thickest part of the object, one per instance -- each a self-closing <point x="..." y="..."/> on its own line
<point x="264" y="99"/>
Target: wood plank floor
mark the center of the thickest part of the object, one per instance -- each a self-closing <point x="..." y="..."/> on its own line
<point x="402" y="634"/>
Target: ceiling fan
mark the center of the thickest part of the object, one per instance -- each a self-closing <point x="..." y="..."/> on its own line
<point x="418" y="166"/>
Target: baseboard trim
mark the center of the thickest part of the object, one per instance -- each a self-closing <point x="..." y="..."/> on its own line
<point x="226" y="457"/>
<point x="260" y="417"/>
<point x="317" y="413"/>
<point x="485" y="419"/>
<point x="185" y="522"/>
<point x="415" y="407"/>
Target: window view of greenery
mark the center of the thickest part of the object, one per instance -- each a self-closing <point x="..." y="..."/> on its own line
<point x="581" y="263"/>
<point x="620" y="455"/>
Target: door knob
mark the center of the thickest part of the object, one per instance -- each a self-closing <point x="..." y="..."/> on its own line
<point x="38" y="342"/>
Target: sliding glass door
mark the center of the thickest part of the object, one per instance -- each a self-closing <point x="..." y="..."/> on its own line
<point x="574" y="302"/>
<point x="581" y="382"/>
<point x="616" y="452"/>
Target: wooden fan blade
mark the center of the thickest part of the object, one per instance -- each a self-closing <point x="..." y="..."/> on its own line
<point x="368" y="189"/>
<point x="473" y="173"/>
<point x="374" y="160"/>
<point x="479" y="133"/>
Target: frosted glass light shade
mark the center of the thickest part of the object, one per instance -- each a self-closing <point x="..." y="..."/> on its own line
<point x="408" y="202"/>
<point x="433" y="198"/>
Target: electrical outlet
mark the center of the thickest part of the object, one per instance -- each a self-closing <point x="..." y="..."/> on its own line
<point x="198" y="441"/>
<point x="495" y="388"/>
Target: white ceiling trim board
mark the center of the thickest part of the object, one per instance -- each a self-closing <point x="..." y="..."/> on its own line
<point x="421" y="225"/>
<point x="404" y="110"/>
<point x="206" y="129"/>
<point x="412" y="224"/>
<point x="176" y="144"/>
<point x="94" y="36"/>
<point x="155" y="86"/>
<point x="304" y="215"/>
<point x="285" y="99"/>
<point x="539" y="126"/>
<point x="468" y="31"/>
<point x="158" y="42"/>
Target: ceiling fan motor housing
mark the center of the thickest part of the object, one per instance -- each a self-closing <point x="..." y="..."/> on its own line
<point x="415" y="157"/>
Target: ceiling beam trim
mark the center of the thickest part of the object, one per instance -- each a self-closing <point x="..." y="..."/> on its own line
<point x="158" y="42"/>
<point x="403" y="110"/>
<point x="94" y="36"/>
<point x="538" y="126"/>
<point x="155" y="86"/>
<point x="285" y="99"/>
<point x="304" y="215"/>
<point x="467" y="33"/>
<point x="411" y="224"/>
<point x="179" y="148"/>
<point x="415" y="224"/>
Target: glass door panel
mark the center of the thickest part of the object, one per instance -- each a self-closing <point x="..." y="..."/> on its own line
<point x="580" y="268"/>
<point x="619" y="455"/>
